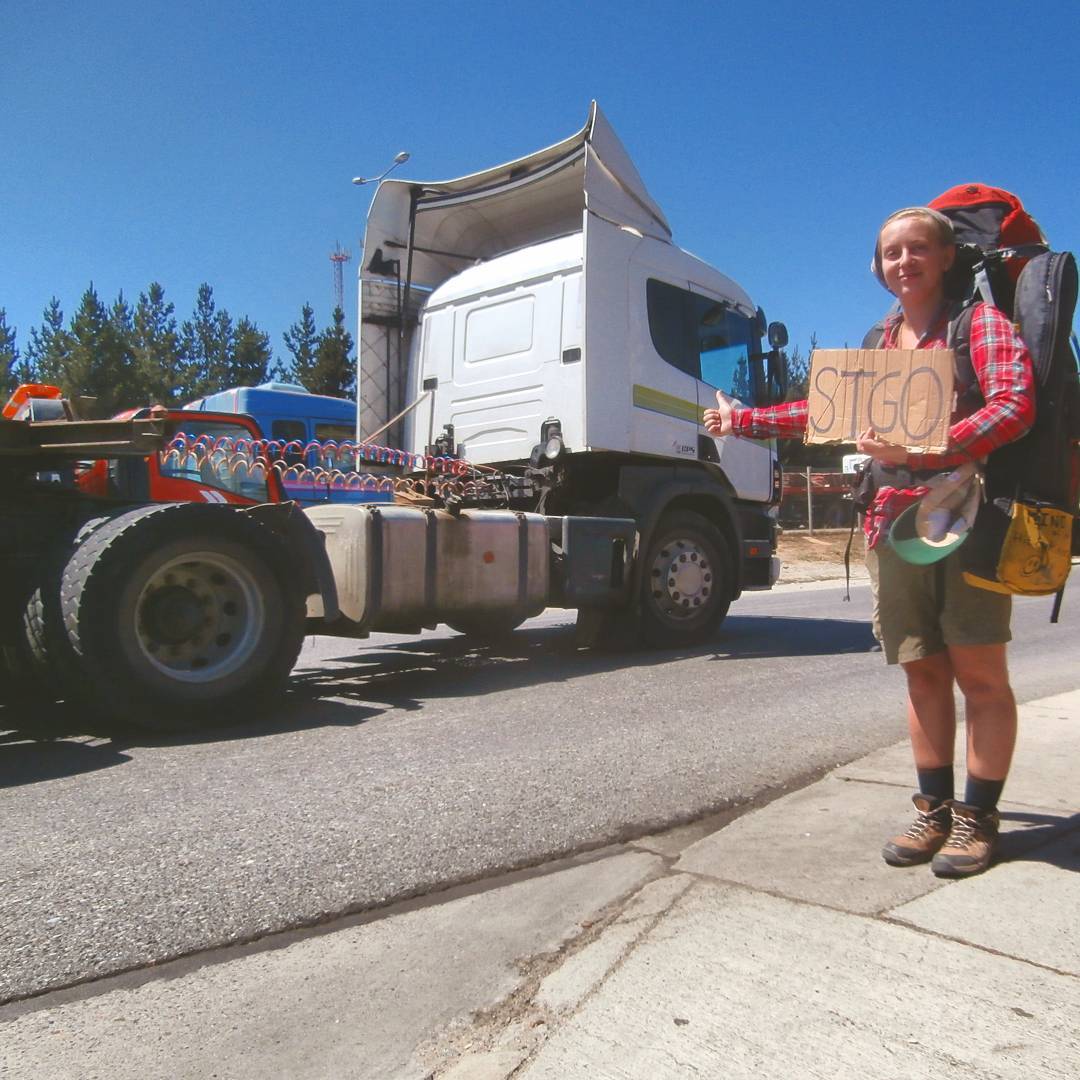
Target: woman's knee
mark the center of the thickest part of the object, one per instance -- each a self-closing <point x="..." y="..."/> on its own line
<point x="930" y="677"/>
<point x="981" y="671"/>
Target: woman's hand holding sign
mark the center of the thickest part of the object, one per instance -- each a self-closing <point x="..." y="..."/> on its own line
<point x="718" y="421"/>
<point x="887" y="453"/>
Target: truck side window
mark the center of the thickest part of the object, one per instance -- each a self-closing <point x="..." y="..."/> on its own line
<point x="670" y="317"/>
<point x="704" y="337"/>
<point x="724" y="341"/>
<point x="288" y="430"/>
<point x="337" y="432"/>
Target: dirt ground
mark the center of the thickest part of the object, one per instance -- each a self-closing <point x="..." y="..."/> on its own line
<point x="819" y="557"/>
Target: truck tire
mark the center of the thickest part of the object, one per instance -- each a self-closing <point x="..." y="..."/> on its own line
<point x="43" y="662"/>
<point x="40" y="663"/>
<point x="182" y="616"/>
<point x="685" y="581"/>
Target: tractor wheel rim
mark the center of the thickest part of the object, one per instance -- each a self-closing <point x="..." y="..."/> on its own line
<point x="199" y="617"/>
<point x="681" y="578"/>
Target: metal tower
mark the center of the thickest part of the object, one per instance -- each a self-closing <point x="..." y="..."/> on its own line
<point x="338" y="259"/>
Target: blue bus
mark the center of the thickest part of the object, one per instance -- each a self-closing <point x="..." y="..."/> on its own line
<point x="286" y="412"/>
<point x="289" y="414"/>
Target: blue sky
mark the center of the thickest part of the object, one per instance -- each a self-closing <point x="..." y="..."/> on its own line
<point x="216" y="141"/>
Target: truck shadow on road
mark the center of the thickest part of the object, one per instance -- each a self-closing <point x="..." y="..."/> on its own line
<point x="25" y="758"/>
<point x="365" y="681"/>
<point x="403" y="675"/>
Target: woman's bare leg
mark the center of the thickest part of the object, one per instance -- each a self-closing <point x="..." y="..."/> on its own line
<point x="931" y="711"/>
<point x="990" y="708"/>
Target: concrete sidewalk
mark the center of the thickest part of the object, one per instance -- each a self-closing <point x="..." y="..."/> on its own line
<point x="777" y="946"/>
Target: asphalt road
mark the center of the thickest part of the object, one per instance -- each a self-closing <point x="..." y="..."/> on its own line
<point x="400" y="766"/>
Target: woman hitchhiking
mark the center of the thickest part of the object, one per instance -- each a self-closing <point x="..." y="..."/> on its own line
<point x="928" y="619"/>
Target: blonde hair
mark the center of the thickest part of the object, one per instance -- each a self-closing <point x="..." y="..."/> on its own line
<point x="942" y="225"/>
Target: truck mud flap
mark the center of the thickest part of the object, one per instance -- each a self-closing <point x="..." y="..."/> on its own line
<point x="592" y="561"/>
<point x="307" y="548"/>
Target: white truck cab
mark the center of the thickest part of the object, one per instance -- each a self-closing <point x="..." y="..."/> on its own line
<point x="537" y="317"/>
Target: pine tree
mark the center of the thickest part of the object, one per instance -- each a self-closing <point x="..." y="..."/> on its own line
<point x="206" y="341"/>
<point x="335" y="367"/>
<point x="100" y="368"/>
<point x="49" y="348"/>
<point x="302" y="341"/>
<point x="12" y="370"/>
<point x="250" y="355"/>
<point x="129" y="389"/>
<point x="156" y="347"/>
<point x="798" y="375"/>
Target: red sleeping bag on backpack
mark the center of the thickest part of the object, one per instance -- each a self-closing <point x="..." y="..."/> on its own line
<point x="990" y="218"/>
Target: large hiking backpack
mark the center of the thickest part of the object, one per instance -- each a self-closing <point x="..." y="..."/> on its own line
<point x="995" y="236"/>
<point x="1031" y="484"/>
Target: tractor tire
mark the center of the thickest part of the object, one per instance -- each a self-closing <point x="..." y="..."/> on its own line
<point x="181" y="616"/>
<point x="686" y="581"/>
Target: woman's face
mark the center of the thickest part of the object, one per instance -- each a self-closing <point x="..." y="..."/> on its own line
<point x="914" y="260"/>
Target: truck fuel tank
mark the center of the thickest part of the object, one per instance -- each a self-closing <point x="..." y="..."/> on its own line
<point x="397" y="565"/>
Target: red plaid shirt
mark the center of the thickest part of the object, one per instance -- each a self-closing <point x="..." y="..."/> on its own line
<point x="1003" y="369"/>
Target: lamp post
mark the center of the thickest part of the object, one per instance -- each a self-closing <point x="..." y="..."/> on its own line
<point x="399" y="159"/>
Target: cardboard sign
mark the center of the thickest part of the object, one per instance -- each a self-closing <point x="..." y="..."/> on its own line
<point x="905" y="395"/>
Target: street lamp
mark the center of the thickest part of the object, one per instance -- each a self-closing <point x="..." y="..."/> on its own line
<point x="399" y="159"/>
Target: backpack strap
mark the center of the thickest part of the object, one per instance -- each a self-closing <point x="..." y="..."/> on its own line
<point x="958" y="338"/>
<point x="875" y="336"/>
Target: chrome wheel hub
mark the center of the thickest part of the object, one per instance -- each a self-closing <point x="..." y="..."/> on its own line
<point x="681" y="578"/>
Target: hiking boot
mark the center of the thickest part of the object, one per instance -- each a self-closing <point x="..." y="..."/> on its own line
<point x="925" y="835"/>
<point x="971" y="842"/>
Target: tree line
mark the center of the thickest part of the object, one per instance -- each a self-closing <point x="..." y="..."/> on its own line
<point x="111" y="357"/>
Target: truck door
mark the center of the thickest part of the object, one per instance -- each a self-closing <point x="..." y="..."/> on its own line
<point x="664" y="366"/>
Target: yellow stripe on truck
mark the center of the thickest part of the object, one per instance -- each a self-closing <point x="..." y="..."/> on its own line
<point x="667" y="404"/>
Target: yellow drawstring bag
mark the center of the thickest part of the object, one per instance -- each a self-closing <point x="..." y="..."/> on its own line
<point x="1034" y="545"/>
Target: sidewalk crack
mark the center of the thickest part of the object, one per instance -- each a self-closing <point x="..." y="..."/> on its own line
<point x="519" y="1024"/>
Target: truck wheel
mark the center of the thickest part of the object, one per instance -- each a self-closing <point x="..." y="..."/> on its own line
<point x="489" y="630"/>
<point x="41" y="657"/>
<point x="685" y="581"/>
<point x="182" y="616"/>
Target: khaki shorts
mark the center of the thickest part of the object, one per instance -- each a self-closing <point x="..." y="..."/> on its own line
<point x="921" y="610"/>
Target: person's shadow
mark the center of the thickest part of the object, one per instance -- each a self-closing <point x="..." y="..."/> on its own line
<point x="1041" y="837"/>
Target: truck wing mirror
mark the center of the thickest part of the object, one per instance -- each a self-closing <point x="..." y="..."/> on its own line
<point x="778" y="335"/>
<point x="776" y="379"/>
